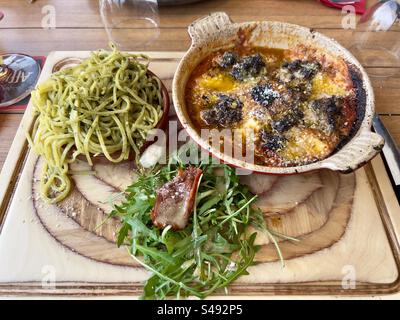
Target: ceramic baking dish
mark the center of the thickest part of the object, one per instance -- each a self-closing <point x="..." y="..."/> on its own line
<point x="217" y="31"/>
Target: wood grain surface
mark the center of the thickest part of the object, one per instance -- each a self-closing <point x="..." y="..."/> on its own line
<point x="79" y="27"/>
<point x="316" y="210"/>
<point x="330" y="233"/>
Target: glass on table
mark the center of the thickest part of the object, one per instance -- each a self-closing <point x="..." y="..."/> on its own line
<point x="130" y="24"/>
<point x="375" y="40"/>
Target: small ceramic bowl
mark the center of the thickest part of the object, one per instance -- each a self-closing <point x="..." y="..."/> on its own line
<point x="162" y="123"/>
<point x="217" y="31"/>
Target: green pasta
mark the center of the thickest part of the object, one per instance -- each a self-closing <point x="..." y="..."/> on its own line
<point x="103" y="106"/>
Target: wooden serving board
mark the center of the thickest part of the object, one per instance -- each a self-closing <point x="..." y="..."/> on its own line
<point x="348" y="227"/>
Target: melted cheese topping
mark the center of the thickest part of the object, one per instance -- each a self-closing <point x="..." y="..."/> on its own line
<point x="305" y="144"/>
<point x="324" y="85"/>
<point x="291" y="87"/>
<point x="220" y="82"/>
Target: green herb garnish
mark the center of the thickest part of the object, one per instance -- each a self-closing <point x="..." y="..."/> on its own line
<point x="213" y="250"/>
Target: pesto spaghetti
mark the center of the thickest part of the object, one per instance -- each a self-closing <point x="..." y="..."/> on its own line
<point x="103" y="106"/>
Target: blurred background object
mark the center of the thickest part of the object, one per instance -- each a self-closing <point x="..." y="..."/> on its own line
<point x="382" y="15"/>
<point x="369" y="44"/>
<point x="359" y="5"/>
<point x="119" y="16"/>
<point x="18" y="76"/>
<point x="176" y="2"/>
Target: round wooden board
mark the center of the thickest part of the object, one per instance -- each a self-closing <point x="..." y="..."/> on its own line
<point x="317" y="216"/>
<point x="75" y="224"/>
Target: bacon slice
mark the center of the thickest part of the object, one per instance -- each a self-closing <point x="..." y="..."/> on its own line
<point x="175" y="199"/>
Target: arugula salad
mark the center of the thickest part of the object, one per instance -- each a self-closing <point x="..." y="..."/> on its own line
<point x="188" y="224"/>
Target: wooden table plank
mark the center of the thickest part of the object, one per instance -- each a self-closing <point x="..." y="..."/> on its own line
<point x="386" y="89"/>
<point x="21" y="14"/>
<point x="392" y="123"/>
<point x="71" y="14"/>
<point x="8" y="127"/>
<point x="41" y="42"/>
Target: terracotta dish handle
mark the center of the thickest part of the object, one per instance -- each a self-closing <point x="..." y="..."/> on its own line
<point x="363" y="148"/>
<point x="204" y="28"/>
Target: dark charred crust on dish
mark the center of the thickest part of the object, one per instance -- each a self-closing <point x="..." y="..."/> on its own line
<point x="296" y="76"/>
<point x="248" y="66"/>
<point x="228" y="59"/>
<point x="328" y="112"/>
<point x="359" y="103"/>
<point x="226" y="111"/>
<point x="361" y="95"/>
<point x="291" y="118"/>
<point x="271" y="141"/>
<point x="264" y="94"/>
<point x="302" y="68"/>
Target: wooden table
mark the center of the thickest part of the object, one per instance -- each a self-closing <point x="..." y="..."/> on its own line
<point x="79" y="27"/>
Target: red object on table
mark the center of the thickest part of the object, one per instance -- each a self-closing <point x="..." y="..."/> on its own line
<point x="359" y="6"/>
